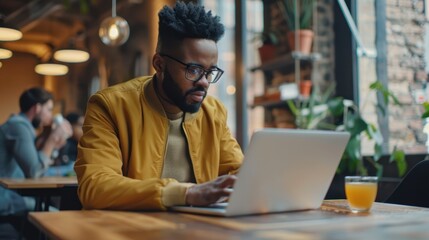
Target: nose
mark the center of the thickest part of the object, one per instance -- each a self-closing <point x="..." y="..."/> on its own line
<point x="203" y="82"/>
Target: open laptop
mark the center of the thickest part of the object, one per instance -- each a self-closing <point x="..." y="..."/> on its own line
<point x="283" y="170"/>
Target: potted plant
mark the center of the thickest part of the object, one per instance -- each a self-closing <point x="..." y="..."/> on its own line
<point x="298" y="16"/>
<point x="321" y="111"/>
<point x="267" y="50"/>
<point x="305" y="88"/>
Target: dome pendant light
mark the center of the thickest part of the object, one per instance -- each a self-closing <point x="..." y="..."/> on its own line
<point x="114" y="31"/>
<point x="5" y="53"/>
<point x="51" y="69"/>
<point x="8" y="33"/>
<point x="71" y="55"/>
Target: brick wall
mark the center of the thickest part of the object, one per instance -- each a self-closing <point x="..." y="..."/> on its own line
<point x="406" y="65"/>
<point x="405" y="68"/>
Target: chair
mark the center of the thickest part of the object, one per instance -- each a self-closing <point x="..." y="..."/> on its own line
<point x="413" y="190"/>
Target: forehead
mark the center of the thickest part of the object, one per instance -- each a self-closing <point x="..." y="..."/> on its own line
<point x="202" y="51"/>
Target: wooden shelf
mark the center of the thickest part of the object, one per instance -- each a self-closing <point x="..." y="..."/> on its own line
<point x="276" y="103"/>
<point x="279" y="103"/>
<point x="287" y="60"/>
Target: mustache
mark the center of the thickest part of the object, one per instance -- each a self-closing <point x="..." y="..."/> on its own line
<point x="196" y="89"/>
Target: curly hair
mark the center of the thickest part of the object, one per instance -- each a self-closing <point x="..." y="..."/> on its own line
<point x="187" y="20"/>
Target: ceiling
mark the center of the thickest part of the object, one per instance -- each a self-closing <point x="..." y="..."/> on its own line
<point x="50" y="24"/>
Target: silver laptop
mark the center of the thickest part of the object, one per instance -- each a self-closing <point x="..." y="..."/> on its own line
<point x="283" y="170"/>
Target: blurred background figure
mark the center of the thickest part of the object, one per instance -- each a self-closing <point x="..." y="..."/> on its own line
<point x="19" y="156"/>
<point x="63" y="164"/>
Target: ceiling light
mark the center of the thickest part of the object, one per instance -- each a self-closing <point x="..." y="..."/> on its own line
<point x="5" y="54"/>
<point x="71" y="55"/>
<point x="8" y="33"/>
<point x="51" y="69"/>
<point x="114" y="31"/>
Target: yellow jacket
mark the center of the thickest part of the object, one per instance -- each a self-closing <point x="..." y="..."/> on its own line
<point x="121" y="153"/>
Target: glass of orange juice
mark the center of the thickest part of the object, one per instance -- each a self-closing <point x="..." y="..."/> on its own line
<point x="361" y="192"/>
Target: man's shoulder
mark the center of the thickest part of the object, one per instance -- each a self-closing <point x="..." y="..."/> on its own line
<point x="212" y="101"/>
<point x="135" y="85"/>
<point x="213" y="105"/>
<point x="17" y="119"/>
<point x="16" y="124"/>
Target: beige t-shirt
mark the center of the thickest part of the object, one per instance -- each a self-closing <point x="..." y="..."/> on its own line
<point x="177" y="165"/>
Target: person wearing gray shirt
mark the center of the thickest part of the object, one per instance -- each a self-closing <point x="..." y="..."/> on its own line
<point x="19" y="157"/>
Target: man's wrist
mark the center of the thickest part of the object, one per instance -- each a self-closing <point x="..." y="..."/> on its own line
<point x="175" y="193"/>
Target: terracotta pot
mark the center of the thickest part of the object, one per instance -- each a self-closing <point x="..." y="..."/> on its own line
<point x="267" y="52"/>
<point x="305" y="88"/>
<point x="305" y="38"/>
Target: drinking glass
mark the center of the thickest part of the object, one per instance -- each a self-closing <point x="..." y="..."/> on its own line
<point x="361" y="192"/>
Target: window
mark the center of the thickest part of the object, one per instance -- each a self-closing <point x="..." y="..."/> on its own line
<point x="395" y="33"/>
<point x="225" y="89"/>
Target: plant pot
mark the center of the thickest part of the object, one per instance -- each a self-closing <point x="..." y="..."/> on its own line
<point x="267" y="52"/>
<point x="305" y="88"/>
<point x="305" y="38"/>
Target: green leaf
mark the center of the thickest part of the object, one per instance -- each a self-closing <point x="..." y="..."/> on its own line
<point x="357" y="126"/>
<point x="292" y="107"/>
<point x="353" y="149"/>
<point x="361" y="169"/>
<point x="304" y="15"/>
<point x="425" y="114"/>
<point x="399" y="157"/>
<point x="378" y="151"/>
<point x="374" y="134"/>
<point x="395" y="99"/>
<point x="379" y="169"/>
<point x="426" y="106"/>
<point x="336" y="106"/>
<point x="376" y="85"/>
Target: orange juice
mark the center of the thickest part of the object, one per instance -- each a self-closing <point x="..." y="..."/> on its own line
<point x="361" y="195"/>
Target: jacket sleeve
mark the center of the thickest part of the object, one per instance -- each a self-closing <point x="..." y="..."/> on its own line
<point x="32" y="162"/>
<point x="102" y="184"/>
<point x="231" y="155"/>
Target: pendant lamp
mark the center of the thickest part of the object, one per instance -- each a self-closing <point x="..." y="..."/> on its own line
<point x="51" y="69"/>
<point x="71" y="55"/>
<point x="114" y="31"/>
<point x="8" y="33"/>
<point x="5" y="54"/>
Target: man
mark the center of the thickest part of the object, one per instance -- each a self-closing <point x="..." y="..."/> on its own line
<point x="19" y="157"/>
<point x="154" y="142"/>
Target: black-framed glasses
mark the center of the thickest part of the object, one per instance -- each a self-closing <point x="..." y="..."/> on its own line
<point x="195" y="72"/>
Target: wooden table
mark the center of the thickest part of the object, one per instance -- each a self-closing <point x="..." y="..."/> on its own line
<point x="45" y="188"/>
<point x="332" y="221"/>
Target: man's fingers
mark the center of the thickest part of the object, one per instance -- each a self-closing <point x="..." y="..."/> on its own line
<point x="227" y="181"/>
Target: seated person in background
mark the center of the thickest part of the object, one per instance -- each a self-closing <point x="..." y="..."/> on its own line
<point x="157" y="141"/>
<point x="63" y="164"/>
<point x="19" y="157"/>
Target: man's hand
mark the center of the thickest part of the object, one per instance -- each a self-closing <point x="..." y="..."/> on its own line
<point x="210" y="192"/>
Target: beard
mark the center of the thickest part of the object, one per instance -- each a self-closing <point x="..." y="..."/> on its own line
<point x="173" y="92"/>
<point x="36" y="122"/>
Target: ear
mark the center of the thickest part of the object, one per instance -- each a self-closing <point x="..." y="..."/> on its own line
<point x="158" y="63"/>
<point x="37" y="107"/>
